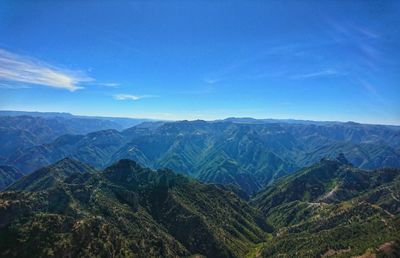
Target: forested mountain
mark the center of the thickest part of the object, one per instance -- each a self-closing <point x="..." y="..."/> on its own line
<point x="86" y="121"/>
<point x="70" y="210"/>
<point x="19" y="130"/>
<point x="333" y="209"/>
<point x="249" y="155"/>
<point x="50" y="176"/>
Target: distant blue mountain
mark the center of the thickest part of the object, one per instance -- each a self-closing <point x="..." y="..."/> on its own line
<point x="248" y="155"/>
<point x="20" y="129"/>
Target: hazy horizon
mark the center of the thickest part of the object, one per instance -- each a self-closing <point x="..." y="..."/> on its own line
<point x="207" y="120"/>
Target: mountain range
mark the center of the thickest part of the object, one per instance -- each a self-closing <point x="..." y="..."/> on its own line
<point x="247" y="153"/>
<point x="330" y="209"/>
<point x="240" y="187"/>
<point x="19" y="130"/>
<point x="69" y="209"/>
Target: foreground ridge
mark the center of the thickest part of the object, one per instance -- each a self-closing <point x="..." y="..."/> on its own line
<point x="125" y="210"/>
<point x="333" y="208"/>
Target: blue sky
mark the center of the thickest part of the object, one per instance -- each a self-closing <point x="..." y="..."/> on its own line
<point x="320" y="60"/>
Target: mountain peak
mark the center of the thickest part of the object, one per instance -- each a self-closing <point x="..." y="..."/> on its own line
<point x="125" y="164"/>
<point x="124" y="170"/>
<point x="67" y="160"/>
<point x="47" y="177"/>
<point x="342" y="159"/>
<point x="72" y="164"/>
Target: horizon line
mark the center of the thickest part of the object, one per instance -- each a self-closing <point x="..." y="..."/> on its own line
<point x="197" y="119"/>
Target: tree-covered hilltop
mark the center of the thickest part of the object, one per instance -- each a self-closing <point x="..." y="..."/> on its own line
<point x="68" y="209"/>
<point x="333" y="209"/>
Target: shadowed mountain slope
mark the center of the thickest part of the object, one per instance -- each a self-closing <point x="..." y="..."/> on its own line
<point x="8" y="175"/>
<point x="48" y="177"/>
<point x="68" y="209"/>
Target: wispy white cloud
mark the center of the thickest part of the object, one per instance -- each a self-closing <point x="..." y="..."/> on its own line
<point x="367" y="32"/>
<point x="132" y="97"/>
<point x="13" y="86"/>
<point x="106" y="84"/>
<point x="371" y="90"/>
<point x="16" y="69"/>
<point x="324" y="73"/>
<point x="272" y="61"/>
<point x="212" y="81"/>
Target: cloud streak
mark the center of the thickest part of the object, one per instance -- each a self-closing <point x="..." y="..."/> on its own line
<point x="16" y="69"/>
<point x="106" y="84"/>
<point x="212" y="81"/>
<point x="324" y="73"/>
<point x="132" y="97"/>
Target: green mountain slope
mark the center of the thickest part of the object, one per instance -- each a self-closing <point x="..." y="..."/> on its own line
<point x="93" y="149"/>
<point x="332" y="209"/>
<point x="248" y="155"/>
<point x="68" y="209"/>
<point x="20" y="130"/>
<point x="50" y="176"/>
<point x="8" y="175"/>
